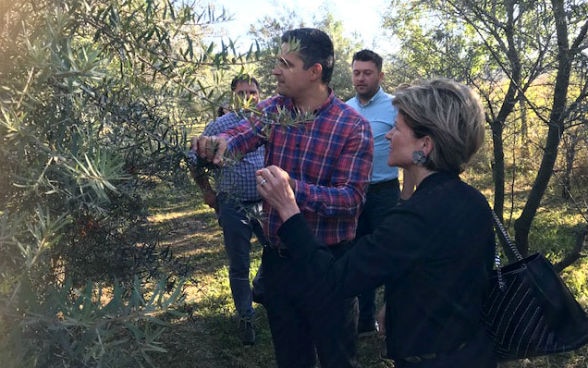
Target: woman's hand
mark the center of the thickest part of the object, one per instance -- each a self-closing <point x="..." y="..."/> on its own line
<point x="273" y="184"/>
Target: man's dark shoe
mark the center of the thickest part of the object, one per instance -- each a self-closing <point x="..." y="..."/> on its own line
<point x="246" y="331"/>
<point x="367" y="328"/>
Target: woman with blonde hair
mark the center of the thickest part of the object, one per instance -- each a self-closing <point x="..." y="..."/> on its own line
<point x="434" y="252"/>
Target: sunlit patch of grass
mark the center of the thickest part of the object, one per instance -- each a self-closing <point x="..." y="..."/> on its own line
<point x="577" y="280"/>
<point x="552" y="232"/>
<point x="189" y="238"/>
<point x="171" y="215"/>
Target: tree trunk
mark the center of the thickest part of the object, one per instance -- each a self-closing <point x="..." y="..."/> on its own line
<point x="556" y="125"/>
<point x="524" y="134"/>
<point x="570" y="154"/>
<point x="497" y="128"/>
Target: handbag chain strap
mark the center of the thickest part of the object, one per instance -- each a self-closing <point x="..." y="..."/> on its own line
<point x="508" y="242"/>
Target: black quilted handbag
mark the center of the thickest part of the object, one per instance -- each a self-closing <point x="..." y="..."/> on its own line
<point x="529" y="311"/>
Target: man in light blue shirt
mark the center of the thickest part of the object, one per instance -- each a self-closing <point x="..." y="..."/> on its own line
<point x="384" y="190"/>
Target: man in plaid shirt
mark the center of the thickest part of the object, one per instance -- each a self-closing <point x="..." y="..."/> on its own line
<point x="326" y="147"/>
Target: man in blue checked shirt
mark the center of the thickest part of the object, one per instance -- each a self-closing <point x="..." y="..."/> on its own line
<point x="235" y="199"/>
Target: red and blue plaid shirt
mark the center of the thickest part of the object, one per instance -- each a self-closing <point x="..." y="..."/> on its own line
<point x="330" y="159"/>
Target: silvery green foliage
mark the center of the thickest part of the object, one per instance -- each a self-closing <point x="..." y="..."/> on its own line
<point x="96" y="97"/>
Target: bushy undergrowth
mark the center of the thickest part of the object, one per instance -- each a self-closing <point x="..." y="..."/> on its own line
<point x="89" y="326"/>
<point x="93" y="104"/>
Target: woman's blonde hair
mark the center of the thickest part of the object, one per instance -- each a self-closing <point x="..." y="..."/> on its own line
<point x="448" y="112"/>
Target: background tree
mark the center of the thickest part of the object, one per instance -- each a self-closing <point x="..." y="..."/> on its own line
<point x="267" y="33"/>
<point x="344" y="50"/>
<point x="510" y="51"/>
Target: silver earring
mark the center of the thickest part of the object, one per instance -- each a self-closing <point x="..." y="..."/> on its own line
<point x="419" y="158"/>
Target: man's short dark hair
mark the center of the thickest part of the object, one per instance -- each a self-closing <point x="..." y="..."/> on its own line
<point x="314" y="46"/>
<point x="369" y="55"/>
<point x="243" y="78"/>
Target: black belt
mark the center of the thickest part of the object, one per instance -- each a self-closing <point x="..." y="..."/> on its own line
<point x="225" y="197"/>
<point x="383" y="185"/>
<point x="337" y="249"/>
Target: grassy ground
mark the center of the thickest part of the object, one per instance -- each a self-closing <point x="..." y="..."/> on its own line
<point x="205" y="335"/>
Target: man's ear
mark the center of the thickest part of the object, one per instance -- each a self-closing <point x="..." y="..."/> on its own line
<point x="316" y="71"/>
